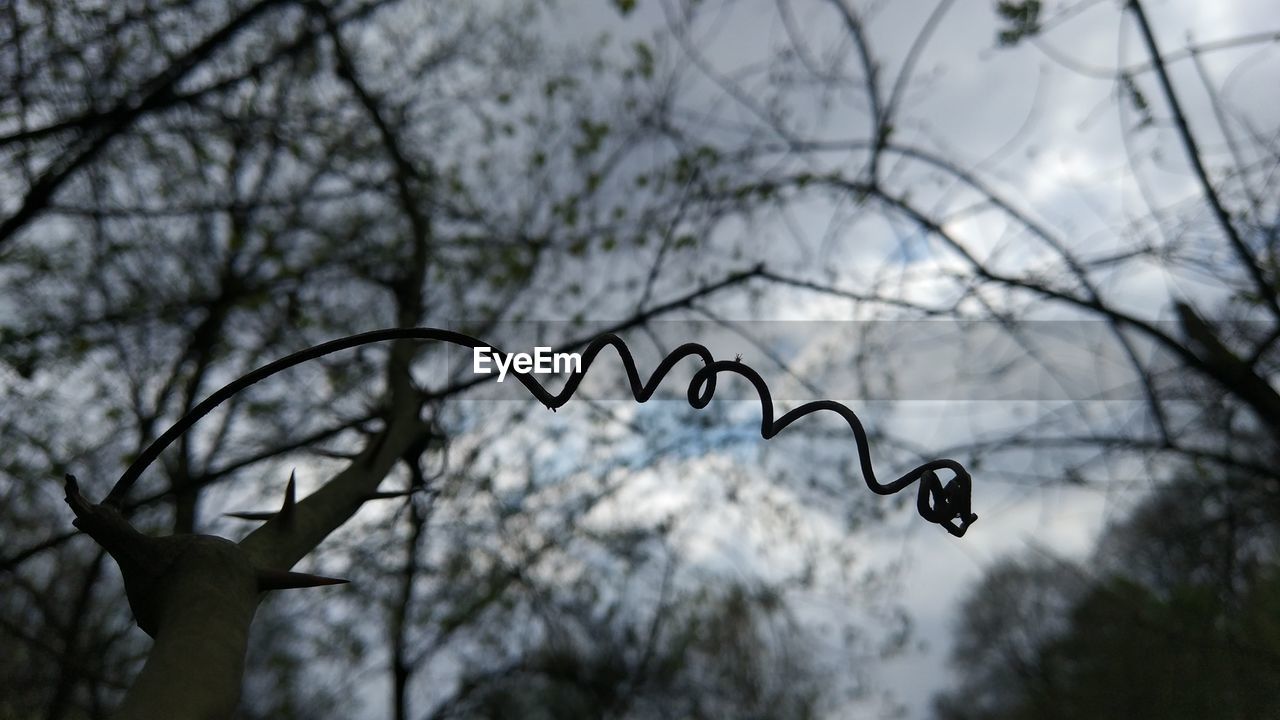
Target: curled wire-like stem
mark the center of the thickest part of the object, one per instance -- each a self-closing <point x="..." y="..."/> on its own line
<point x="946" y="505"/>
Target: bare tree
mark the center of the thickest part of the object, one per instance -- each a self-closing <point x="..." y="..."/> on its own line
<point x="838" y="133"/>
<point x="196" y="189"/>
<point x="824" y="121"/>
<point x="1167" y="617"/>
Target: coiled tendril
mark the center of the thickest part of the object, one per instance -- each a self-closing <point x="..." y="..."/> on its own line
<point x="946" y="505"/>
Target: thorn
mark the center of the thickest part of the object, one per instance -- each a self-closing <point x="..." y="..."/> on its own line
<point x="290" y="498"/>
<point x="286" y="510"/>
<point x="285" y="580"/>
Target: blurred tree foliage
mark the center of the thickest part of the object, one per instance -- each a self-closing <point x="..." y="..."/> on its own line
<point x="192" y="188"/>
<point x="1055" y="185"/>
<point x="712" y="654"/>
<point x="1174" y="616"/>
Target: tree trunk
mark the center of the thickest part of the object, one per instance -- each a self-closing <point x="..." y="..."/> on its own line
<point x="202" y="608"/>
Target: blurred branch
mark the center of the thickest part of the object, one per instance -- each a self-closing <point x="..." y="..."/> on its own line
<point x="149" y="96"/>
<point x="1266" y="290"/>
<point x="1189" y="51"/>
<point x="97" y="129"/>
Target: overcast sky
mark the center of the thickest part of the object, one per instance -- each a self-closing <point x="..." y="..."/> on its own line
<point x="1033" y="117"/>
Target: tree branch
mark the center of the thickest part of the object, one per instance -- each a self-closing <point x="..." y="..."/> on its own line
<point x="1266" y="291"/>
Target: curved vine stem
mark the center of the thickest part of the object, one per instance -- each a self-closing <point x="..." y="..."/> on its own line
<point x="947" y="505"/>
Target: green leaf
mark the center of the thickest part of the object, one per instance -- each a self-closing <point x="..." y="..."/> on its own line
<point x="593" y="135"/>
<point x="1138" y="100"/>
<point x="1023" y="18"/>
<point x="644" y="59"/>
